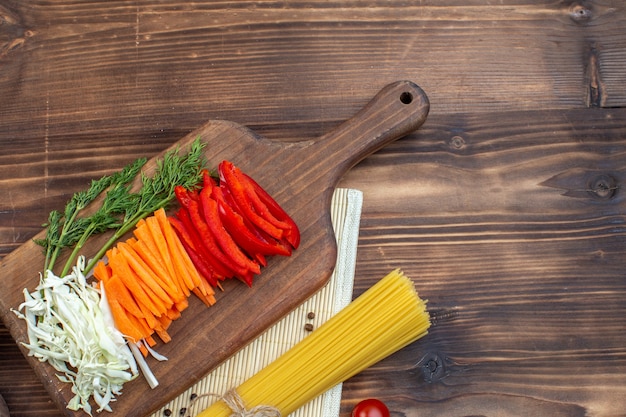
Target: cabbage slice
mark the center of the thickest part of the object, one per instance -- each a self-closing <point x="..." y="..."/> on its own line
<point x="71" y="327"/>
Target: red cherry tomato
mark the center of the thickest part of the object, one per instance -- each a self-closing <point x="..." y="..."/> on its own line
<point x="370" y="408"/>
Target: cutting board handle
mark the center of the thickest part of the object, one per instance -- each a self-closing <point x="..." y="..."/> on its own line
<point x="397" y="110"/>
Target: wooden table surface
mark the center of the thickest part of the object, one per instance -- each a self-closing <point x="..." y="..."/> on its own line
<point x="507" y="207"/>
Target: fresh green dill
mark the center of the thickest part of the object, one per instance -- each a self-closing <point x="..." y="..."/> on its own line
<point x="121" y="208"/>
<point x="158" y="190"/>
<point x="117" y="199"/>
<point x="65" y="229"/>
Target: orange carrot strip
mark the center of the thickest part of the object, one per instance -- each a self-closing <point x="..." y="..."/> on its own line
<point x="123" y="270"/>
<point x="181" y="306"/>
<point x="141" y="325"/>
<point x="115" y="289"/>
<point x="143" y="349"/>
<point x="210" y="295"/>
<point x="159" y="241"/>
<point x="165" y="321"/>
<point x="182" y="262"/>
<point x="110" y="253"/>
<point x="161" y="244"/>
<point x="144" y="273"/>
<point x="150" y="341"/>
<point x="143" y="235"/>
<point x="161" y="305"/>
<point x="164" y="335"/>
<point x="122" y="322"/>
<point x="173" y="314"/>
<point x="149" y="319"/>
<point x="101" y="271"/>
<point x="207" y="297"/>
<point x="203" y="297"/>
<point x="155" y="265"/>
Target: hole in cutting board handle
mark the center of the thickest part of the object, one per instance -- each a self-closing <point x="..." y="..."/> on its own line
<point x="406" y="97"/>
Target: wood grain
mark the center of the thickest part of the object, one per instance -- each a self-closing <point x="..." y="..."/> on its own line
<point x="506" y="207"/>
<point x="519" y="252"/>
<point x="203" y="338"/>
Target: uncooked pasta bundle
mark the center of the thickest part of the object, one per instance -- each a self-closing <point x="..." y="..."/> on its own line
<point x="384" y="319"/>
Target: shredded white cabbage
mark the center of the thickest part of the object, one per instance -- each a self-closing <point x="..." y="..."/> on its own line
<point x="71" y="327"/>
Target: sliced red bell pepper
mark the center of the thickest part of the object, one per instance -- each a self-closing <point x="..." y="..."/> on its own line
<point x="220" y="271"/>
<point x="201" y="265"/>
<point x="194" y="222"/>
<point x="292" y="233"/>
<point x="221" y="235"/>
<point x="246" y="236"/>
<point x="227" y="175"/>
<point x="247" y="279"/>
<point x="209" y="241"/>
<point x="182" y="195"/>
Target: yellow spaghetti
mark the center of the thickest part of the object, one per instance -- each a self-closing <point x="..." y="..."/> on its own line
<point x="384" y="319"/>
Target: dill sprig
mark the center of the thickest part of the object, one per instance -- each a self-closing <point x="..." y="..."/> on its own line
<point x="121" y="208"/>
<point x="115" y="203"/>
<point x="158" y="191"/>
<point x="65" y="229"/>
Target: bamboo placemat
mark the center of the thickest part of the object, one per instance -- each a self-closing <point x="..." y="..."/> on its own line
<point x="346" y="215"/>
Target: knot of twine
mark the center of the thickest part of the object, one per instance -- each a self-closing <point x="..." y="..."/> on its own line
<point x="236" y="404"/>
<point x="238" y="407"/>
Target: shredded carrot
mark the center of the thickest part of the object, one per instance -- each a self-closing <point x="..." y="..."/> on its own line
<point x="142" y="325"/>
<point x="102" y="271"/>
<point x="150" y="341"/>
<point x="159" y="241"/>
<point x="154" y="264"/>
<point x="149" y="278"/>
<point x="149" y="319"/>
<point x="143" y="349"/>
<point x="164" y="335"/>
<point x="181" y="306"/>
<point x="165" y="321"/>
<point x="208" y="300"/>
<point x="144" y="272"/>
<point x="161" y="305"/>
<point x="143" y="235"/>
<point x="173" y="314"/>
<point x="122" y="321"/>
<point x="180" y="258"/>
<point x="115" y="289"/>
<point x="161" y="245"/>
<point x="128" y="277"/>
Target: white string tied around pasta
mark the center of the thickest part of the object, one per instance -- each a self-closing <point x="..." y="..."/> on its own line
<point x="238" y="406"/>
<point x="236" y="403"/>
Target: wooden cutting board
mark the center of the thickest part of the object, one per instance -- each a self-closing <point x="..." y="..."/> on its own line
<point x="302" y="177"/>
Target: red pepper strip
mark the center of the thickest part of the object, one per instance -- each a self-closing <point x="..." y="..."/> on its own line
<point x="221" y="270"/>
<point x="203" y="267"/>
<point x="208" y="240"/>
<point x="257" y="203"/>
<point x="247" y="279"/>
<point x="222" y="237"/>
<point x="207" y="180"/>
<point x="227" y="175"/>
<point x="251" y="242"/>
<point x="283" y="246"/>
<point x="259" y="206"/>
<point x="182" y="195"/>
<point x="292" y="234"/>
